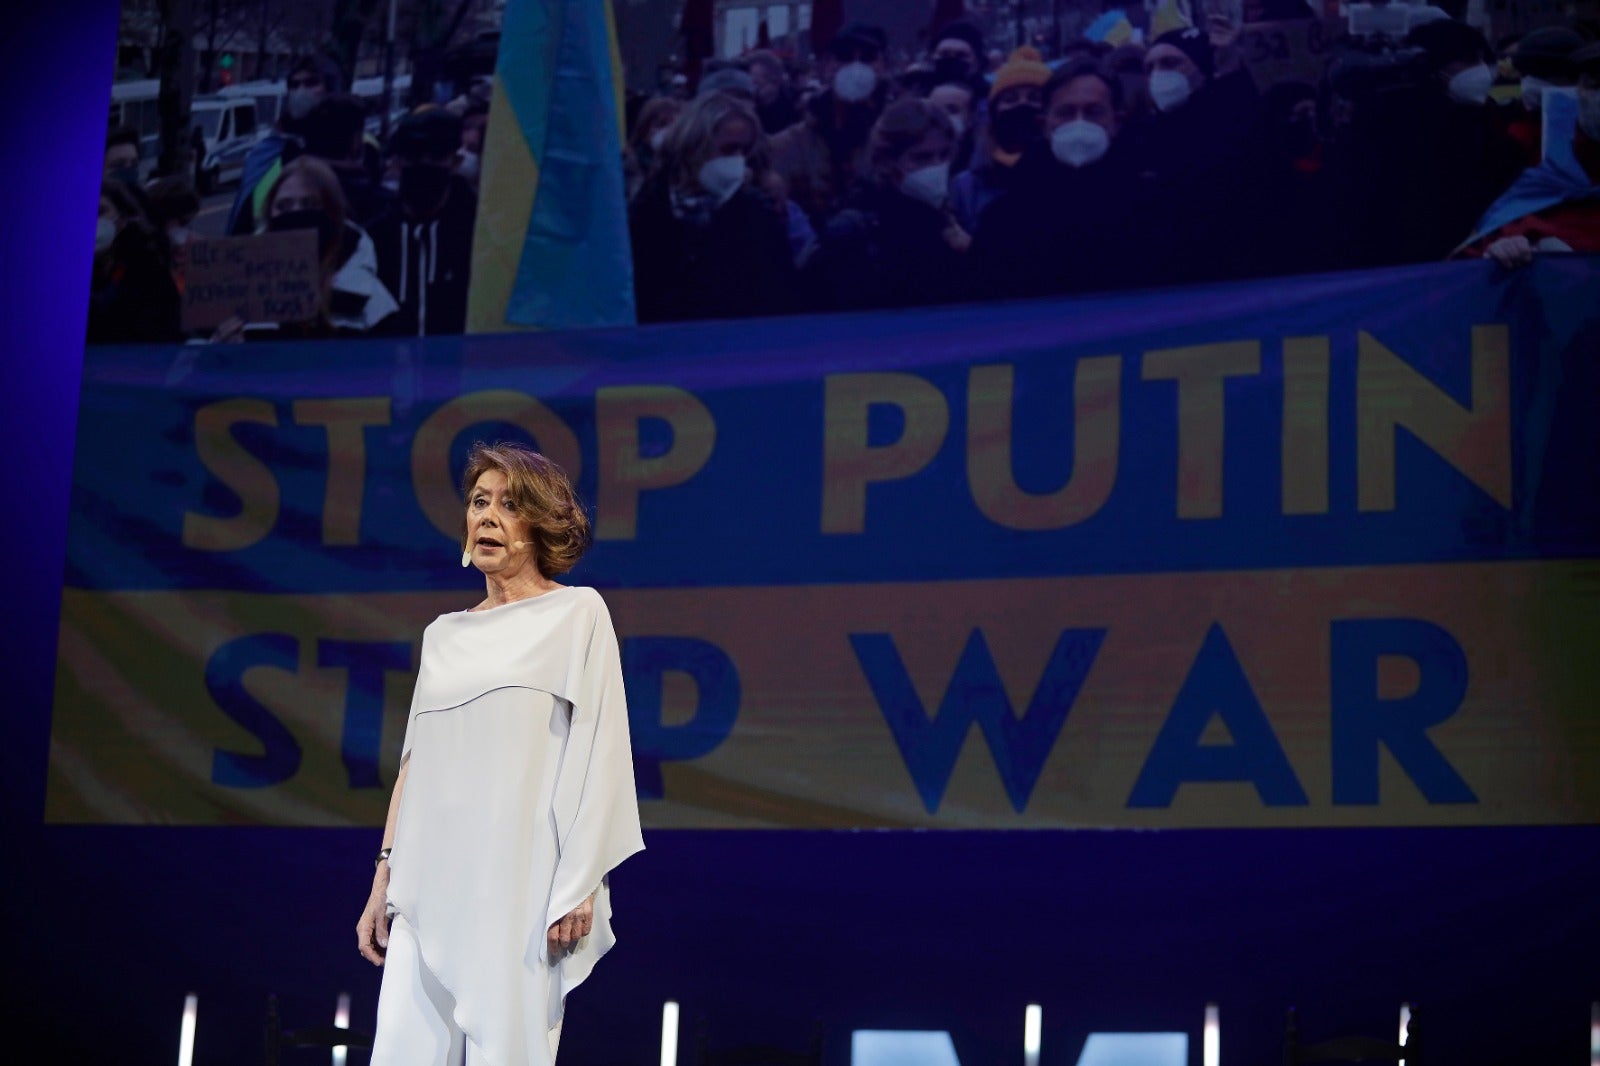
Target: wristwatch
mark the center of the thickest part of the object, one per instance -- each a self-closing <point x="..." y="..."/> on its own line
<point x="382" y="856"/>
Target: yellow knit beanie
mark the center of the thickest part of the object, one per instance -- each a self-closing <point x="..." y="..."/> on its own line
<point x="1025" y="66"/>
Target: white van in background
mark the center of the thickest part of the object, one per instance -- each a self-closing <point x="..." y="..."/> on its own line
<point x="229" y="127"/>
<point x="268" y="97"/>
<point x="133" y="103"/>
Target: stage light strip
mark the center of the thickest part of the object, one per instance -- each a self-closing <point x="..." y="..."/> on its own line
<point x="669" y="1033"/>
<point x="1032" y="1030"/>
<point x="341" y="1020"/>
<point x="1405" y="1027"/>
<point x="1211" y="1037"/>
<point x="191" y="1011"/>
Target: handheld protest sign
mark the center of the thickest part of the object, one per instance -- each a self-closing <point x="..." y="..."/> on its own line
<point x="266" y="277"/>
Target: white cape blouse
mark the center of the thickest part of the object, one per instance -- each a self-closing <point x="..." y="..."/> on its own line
<point x="519" y="799"/>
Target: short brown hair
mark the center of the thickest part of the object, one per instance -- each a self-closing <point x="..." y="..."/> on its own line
<point x="902" y="126"/>
<point x="544" y="497"/>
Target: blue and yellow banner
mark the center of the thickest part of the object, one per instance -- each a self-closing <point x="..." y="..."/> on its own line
<point x="1323" y="551"/>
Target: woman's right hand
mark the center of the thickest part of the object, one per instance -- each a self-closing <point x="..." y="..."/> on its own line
<point x="372" y="931"/>
<point x="1511" y="252"/>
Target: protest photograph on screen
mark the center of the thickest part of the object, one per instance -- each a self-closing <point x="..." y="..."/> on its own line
<point x="478" y="166"/>
<point x="1176" y="489"/>
<point x="355" y="124"/>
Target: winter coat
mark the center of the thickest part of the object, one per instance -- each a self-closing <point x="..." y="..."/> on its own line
<point x="885" y="250"/>
<point x="425" y="265"/>
<point x="821" y="160"/>
<point x="133" y="299"/>
<point x="734" y="264"/>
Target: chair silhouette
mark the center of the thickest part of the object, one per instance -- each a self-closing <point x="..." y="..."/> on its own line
<point x="314" y="1036"/>
<point x="1351" y="1048"/>
<point x="757" y="1054"/>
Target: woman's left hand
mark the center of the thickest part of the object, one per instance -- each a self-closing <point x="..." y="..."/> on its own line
<point x="565" y="934"/>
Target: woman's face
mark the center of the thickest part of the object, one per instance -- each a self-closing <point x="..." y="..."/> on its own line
<point x="733" y="136"/>
<point x="955" y="51"/>
<point x="955" y="101"/>
<point x="294" y="193"/>
<point x="661" y="123"/>
<point x="935" y="148"/>
<point x="495" y="525"/>
<point x="769" y="81"/>
<point x="1171" y="57"/>
<point x="1018" y="96"/>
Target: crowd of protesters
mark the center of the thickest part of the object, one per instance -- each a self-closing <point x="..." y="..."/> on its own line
<point x="860" y="183"/>
<point x="853" y="183"/>
<point x="394" y="221"/>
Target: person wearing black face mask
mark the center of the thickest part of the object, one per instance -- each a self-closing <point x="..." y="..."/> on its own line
<point x="334" y="133"/>
<point x="425" y="242"/>
<point x="333" y="136"/>
<point x="306" y="196"/>
<point x="1015" y="121"/>
<point x="958" y="54"/>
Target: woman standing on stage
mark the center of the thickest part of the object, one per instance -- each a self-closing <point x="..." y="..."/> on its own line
<point x="515" y="796"/>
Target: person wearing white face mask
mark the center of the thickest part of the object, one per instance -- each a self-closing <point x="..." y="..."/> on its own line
<point x="1442" y="155"/>
<point x="823" y="155"/>
<point x="309" y="81"/>
<point x="896" y="242"/>
<point x="707" y="241"/>
<point x="1471" y="84"/>
<point x="645" y="138"/>
<point x="1076" y="217"/>
<point x="1203" y="101"/>
<point x="173" y="207"/>
<point x="132" y="299"/>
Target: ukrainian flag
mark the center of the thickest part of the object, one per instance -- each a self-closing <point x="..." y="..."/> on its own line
<point x="551" y="246"/>
<point x="1168" y="15"/>
<point x="1112" y="27"/>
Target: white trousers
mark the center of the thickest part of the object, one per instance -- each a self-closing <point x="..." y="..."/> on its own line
<point x="416" y="1024"/>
